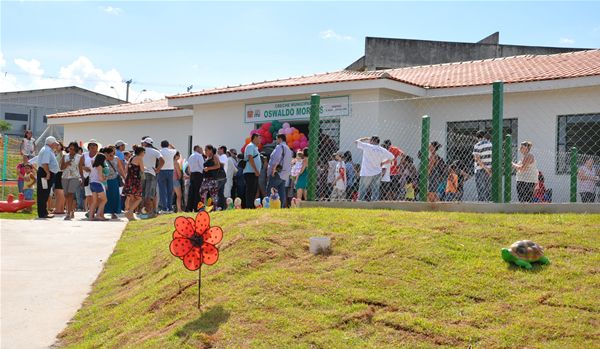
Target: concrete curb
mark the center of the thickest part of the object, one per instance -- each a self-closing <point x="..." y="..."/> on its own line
<point x="460" y="207"/>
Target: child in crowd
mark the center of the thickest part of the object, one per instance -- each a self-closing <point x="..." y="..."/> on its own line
<point x="21" y="173"/>
<point x="451" y="193"/>
<point x="540" y="191"/>
<point x="274" y="200"/>
<point x="339" y="184"/>
<point x="28" y="181"/>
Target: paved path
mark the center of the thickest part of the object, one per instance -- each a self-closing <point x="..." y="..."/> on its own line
<point x="47" y="269"/>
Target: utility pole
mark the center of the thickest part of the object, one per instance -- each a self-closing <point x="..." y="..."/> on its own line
<point x="128" y="82"/>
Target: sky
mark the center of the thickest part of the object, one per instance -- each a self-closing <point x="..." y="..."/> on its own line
<point x="164" y="47"/>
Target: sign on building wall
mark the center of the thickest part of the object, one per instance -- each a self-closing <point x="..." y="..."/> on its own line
<point x="296" y="110"/>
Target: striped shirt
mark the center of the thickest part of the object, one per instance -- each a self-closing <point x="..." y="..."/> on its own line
<point x="483" y="148"/>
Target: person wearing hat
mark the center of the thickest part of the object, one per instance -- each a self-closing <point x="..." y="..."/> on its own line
<point x="153" y="162"/>
<point x="85" y="167"/>
<point x="120" y="148"/>
<point x="47" y="169"/>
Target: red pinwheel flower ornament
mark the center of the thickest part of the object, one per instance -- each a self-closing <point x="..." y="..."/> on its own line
<point x="194" y="242"/>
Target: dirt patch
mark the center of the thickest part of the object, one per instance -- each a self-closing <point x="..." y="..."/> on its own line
<point x="427" y="261"/>
<point x="365" y="316"/>
<point x="422" y="335"/>
<point x="229" y="243"/>
<point x="264" y="257"/>
<point x="164" y="301"/>
<point x="369" y="302"/>
<point x="546" y="300"/>
<point x="580" y="249"/>
<point x="130" y="280"/>
<point x="476" y="299"/>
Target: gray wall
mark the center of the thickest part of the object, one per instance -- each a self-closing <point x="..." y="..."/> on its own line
<point x="384" y="53"/>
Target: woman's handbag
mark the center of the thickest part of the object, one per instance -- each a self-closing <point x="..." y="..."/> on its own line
<point x="118" y="175"/>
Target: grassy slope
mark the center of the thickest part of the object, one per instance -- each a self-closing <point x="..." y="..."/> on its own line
<point x="395" y="279"/>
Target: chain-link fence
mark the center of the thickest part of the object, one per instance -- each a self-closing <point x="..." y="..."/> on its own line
<point x="11" y="156"/>
<point x="535" y="162"/>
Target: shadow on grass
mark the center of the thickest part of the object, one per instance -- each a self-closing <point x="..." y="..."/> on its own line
<point x="207" y="323"/>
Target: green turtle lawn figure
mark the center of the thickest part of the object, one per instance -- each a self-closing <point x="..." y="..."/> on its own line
<point x="523" y="253"/>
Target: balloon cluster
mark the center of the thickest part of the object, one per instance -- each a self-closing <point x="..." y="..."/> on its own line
<point x="269" y="131"/>
<point x="295" y="139"/>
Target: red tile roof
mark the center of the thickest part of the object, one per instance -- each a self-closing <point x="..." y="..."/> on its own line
<point x="461" y="74"/>
<point x="126" y="108"/>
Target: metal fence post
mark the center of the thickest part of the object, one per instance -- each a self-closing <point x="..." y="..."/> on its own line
<point x="313" y="145"/>
<point x="4" y="162"/>
<point x="507" y="168"/>
<point x="424" y="159"/>
<point x="574" y="174"/>
<point x="497" y="106"/>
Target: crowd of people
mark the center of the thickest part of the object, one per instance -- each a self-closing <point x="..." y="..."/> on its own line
<point x="144" y="181"/>
<point x="388" y="168"/>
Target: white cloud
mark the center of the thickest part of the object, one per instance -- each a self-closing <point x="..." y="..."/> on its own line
<point x="81" y="72"/>
<point x="331" y="35"/>
<point x="31" y="67"/>
<point x="8" y="82"/>
<point x="112" y="10"/>
<point x="566" y="41"/>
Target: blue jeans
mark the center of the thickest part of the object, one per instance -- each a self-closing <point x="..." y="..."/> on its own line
<point x="165" y="189"/>
<point x="369" y="183"/>
<point x="482" y="180"/>
<point x="281" y="190"/>
<point x="20" y="185"/>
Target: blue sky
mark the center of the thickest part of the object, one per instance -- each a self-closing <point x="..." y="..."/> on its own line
<point x="166" y="46"/>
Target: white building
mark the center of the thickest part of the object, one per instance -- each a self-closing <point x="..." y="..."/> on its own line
<point x="552" y="100"/>
<point x="128" y="122"/>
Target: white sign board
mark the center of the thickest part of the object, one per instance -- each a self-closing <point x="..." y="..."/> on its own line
<point x="296" y="110"/>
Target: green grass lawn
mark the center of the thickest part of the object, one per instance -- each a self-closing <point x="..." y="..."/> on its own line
<point x="394" y="279"/>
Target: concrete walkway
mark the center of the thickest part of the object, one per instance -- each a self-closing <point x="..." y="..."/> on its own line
<point x="47" y="269"/>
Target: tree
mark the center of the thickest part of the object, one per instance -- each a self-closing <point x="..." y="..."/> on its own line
<point x="5" y="126"/>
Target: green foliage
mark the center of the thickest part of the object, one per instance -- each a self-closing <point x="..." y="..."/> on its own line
<point x="5" y="126"/>
<point x="394" y="279"/>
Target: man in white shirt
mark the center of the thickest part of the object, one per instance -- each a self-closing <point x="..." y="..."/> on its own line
<point x="222" y="153"/>
<point x="165" y="177"/>
<point x="373" y="159"/>
<point x="47" y="169"/>
<point x="153" y="162"/>
<point x="196" y="167"/>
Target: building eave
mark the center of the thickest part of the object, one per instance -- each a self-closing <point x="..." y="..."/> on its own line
<point x="162" y="114"/>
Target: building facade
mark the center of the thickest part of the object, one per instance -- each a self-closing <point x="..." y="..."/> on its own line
<point x="551" y="100"/>
<point x="29" y="109"/>
<point x="388" y="53"/>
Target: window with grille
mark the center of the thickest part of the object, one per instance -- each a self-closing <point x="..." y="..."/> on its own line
<point x="581" y="131"/>
<point x="461" y="137"/>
